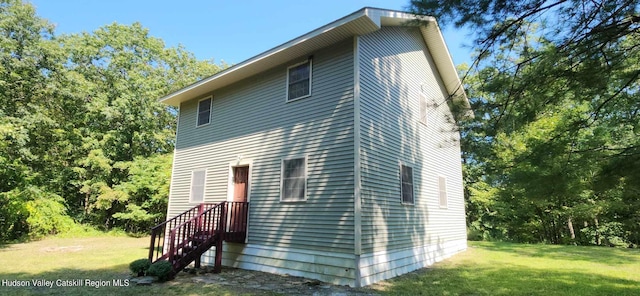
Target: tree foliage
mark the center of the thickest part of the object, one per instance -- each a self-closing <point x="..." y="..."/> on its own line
<point x="554" y="152"/>
<point x="82" y="136"/>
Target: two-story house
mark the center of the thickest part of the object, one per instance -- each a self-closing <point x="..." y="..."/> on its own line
<point x="343" y="144"/>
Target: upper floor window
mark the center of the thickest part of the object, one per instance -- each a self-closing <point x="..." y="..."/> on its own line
<point x="204" y="111"/>
<point x="299" y="81"/>
<point x="406" y="184"/>
<point x="293" y="186"/>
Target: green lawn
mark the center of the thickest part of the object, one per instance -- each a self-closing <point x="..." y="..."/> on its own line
<point x="517" y="269"/>
<point x="484" y="269"/>
<point x="103" y="258"/>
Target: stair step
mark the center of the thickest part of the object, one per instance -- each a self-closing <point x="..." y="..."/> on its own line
<point x="194" y="241"/>
<point x="200" y="238"/>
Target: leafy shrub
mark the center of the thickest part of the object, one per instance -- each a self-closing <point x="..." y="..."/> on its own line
<point x="13" y="217"/>
<point x="161" y="269"/>
<point x="45" y="212"/>
<point x="48" y="215"/>
<point x="140" y="266"/>
<point x="474" y="234"/>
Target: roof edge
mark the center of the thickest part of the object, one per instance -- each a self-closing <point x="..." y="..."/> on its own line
<point x="355" y="15"/>
<point x="374" y="18"/>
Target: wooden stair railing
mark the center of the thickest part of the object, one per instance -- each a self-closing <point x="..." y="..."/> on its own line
<point x="184" y="238"/>
<point x="157" y="248"/>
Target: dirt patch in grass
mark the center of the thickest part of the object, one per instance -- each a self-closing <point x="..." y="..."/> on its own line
<point x="62" y="249"/>
<point x="262" y="283"/>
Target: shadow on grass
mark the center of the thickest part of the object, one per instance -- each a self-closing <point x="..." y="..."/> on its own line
<point x="508" y="280"/>
<point x="595" y="254"/>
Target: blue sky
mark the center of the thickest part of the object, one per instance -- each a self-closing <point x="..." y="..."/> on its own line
<point x="232" y="31"/>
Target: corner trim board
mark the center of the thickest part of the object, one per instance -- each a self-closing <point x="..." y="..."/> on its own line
<point x="357" y="198"/>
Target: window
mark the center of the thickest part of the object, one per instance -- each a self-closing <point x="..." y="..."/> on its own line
<point x="299" y="81"/>
<point x="423" y="109"/>
<point x="204" y="111"/>
<point x="197" y="186"/>
<point x="406" y="188"/>
<point x="442" y="191"/>
<point x="294" y="180"/>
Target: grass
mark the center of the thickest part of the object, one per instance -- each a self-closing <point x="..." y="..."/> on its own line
<point x="516" y="269"/>
<point x="484" y="269"/>
<point x="99" y="258"/>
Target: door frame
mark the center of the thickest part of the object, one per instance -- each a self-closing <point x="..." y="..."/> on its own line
<point x="230" y="188"/>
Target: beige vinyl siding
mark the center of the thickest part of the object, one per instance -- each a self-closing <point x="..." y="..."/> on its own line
<point x="252" y="120"/>
<point x="395" y="68"/>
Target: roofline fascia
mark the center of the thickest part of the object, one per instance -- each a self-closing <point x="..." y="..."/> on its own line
<point x="268" y="53"/>
<point x="377" y="16"/>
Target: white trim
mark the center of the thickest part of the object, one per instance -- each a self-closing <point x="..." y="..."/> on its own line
<point x="204" y="186"/>
<point x="361" y="22"/>
<point x="357" y="161"/>
<point x="413" y="184"/>
<point x="198" y="111"/>
<point x="306" y="178"/>
<point x="235" y="164"/>
<point x="259" y="63"/>
<point x="444" y="64"/>
<point x="310" y="61"/>
<point x="446" y="192"/>
<point x="173" y="169"/>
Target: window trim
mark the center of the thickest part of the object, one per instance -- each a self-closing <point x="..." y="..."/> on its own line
<point x="446" y="193"/>
<point x="306" y="179"/>
<point x="310" y="61"/>
<point x="413" y="185"/>
<point x="198" y="111"/>
<point x="204" y="185"/>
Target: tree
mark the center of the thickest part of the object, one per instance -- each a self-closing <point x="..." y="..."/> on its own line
<point x="119" y="72"/>
<point x="555" y="88"/>
<point x="82" y="134"/>
<point x="29" y="61"/>
<point x="145" y="191"/>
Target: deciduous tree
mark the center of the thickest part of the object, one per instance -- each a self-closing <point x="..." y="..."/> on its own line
<point x="555" y="142"/>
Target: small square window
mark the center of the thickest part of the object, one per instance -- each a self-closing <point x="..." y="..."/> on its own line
<point x="406" y="188"/>
<point x="299" y="81"/>
<point x="294" y="180"/>
<point x="204" y="111"/>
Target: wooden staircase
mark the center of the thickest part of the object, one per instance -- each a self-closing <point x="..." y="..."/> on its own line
<point x="184" y="238"/>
